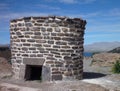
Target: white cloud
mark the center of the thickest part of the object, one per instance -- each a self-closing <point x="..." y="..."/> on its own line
<point x="68" y="1"/>
<point x="77" y="1"/>
<point x="72" y="1"/>
<point x="88" y="1"/>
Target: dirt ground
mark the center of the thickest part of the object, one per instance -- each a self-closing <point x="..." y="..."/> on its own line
<point x="94" y="79"/>
<point x="5" y="68"/>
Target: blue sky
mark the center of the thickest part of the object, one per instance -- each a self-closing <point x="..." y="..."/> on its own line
<point x="103" y="16"/>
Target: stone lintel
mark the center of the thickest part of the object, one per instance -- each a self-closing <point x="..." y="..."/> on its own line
<point x="33" y="61"/>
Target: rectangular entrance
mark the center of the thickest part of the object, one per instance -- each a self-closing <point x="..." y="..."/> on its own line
<point x="33" y="72"/>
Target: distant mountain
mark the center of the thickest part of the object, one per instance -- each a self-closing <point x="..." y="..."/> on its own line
<point x="116" y="50"/>
<point x="101" y="46"/>
<point x="4" y="45"/>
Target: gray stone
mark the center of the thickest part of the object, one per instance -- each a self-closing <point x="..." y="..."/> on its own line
<point x="55" y="43"/>
<point x="46" y="72"/>
<point x="33" y="61"/>
<point x="57" y="29"/>
<point x="61" y="43"/>
<point x="49" y="29"/>
<point x="53" y="34"/>
<point x="50" y="42"/>
<point x="57" y="77"/>
<point x="31" y="40"/>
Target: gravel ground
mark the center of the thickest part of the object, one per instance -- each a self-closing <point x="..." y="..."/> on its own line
<point x="101" y="76"/>
<point x="95" y="79"/>
<point x="53" y="86"/>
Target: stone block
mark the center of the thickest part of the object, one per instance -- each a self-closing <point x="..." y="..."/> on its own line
<point x="47" y="45"/>
<point x="56" y="53"/>
<point x="57" y="38"/>
<point x="50" y="42"/>
<point x="45" y="33"/>
<point x="50" y="58"/>
<point x="61" y="34"/>
<point x="42" y="29"/>
<point x="37" y="45"/>
<point x="37" y="33"/>
<point x="50" y="62"/>
<point x="68" y="73"/>
<point x="57" y="29"/>
<point x="25" y="55"/>
<point x="55" y="69"/>
<point x="41" y="41"/>
<point x="65" y="46"/>
<point x="57" y="77"/>
<point x="26" y="44"/>
<point x="33" y="61"/>
<point x="46" y="73"/>
<point x="32" y="48"/>
<point x="49" y="29"/>
<point x="53" y="34"/>
<point x="56" y="46"/>
<point x="56" y="72"/>
<point x="37" y="24"/>
<point x="61" y="43"/>
<point x="30" y="40"/>
<point x="67" y="58"/>
<point x="51" y="49"/>
<point x="39" y="55"/>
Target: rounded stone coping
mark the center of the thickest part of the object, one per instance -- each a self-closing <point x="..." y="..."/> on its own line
<point x="52" y="19"/>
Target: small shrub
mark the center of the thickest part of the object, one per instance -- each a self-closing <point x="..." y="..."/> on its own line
<point x="116" y="67"/>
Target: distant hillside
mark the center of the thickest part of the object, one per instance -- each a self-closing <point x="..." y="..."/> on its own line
<point x="105" y="59"/>
<point x="5" y="52"/>
<point x="116" y="50"/>
<point x="101" y="46"/>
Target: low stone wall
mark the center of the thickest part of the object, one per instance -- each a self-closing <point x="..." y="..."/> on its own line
<point x="54" y="42"/>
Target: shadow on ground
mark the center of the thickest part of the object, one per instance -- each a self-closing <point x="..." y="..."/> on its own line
<point x="91" y="75"/>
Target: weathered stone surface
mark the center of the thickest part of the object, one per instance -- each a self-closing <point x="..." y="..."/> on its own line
<point x="55" y="43"/>
<point x="49" y="29"/>
<point x="33" y="61"/>
<point x="56" y="77"/>
<point x="26" y="44"/>
<point x="46" y="76"/>
<point x="61" y="43"/>
<point x="55" y="46"/>
<point x="31" y="40"/>
<point x="67" y="73"/>
<point x="50" y="42"/>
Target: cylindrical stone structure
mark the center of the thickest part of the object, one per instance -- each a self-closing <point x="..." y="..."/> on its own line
<point x="47" y="48"/>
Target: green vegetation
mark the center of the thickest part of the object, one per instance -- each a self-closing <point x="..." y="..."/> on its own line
<point x="116" y="67"/>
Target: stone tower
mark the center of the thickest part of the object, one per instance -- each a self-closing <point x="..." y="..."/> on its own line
<point x="47" y="48"/>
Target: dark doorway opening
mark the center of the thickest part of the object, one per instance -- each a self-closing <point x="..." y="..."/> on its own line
<point x="33" y="72"/>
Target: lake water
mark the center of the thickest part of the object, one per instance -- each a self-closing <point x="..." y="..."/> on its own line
<point x="88" y="54"/>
